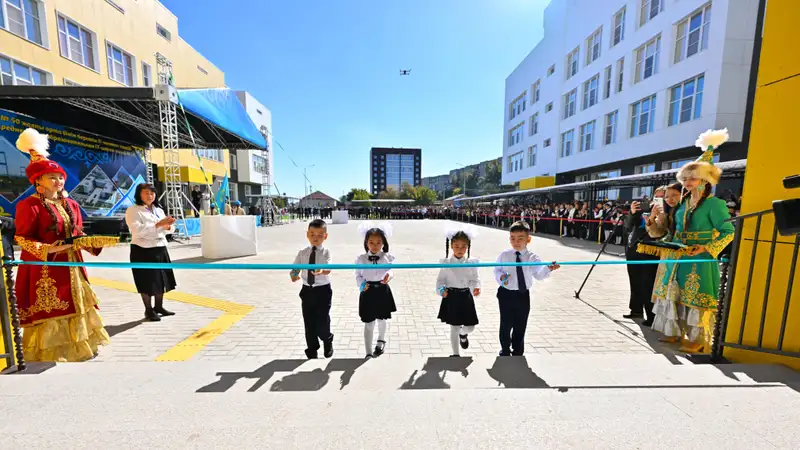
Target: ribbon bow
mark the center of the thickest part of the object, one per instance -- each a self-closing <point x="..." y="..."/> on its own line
<point x="374" y="258"/>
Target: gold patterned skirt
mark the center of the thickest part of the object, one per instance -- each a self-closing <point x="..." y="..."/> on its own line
<point x="68" y="339"/>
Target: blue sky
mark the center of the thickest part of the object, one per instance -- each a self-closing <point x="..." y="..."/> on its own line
<point x="329" y="73"/>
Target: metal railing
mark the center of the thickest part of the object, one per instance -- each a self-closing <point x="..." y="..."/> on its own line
<point x="743" y="305"/>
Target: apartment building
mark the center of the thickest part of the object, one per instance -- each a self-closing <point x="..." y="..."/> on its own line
<point x="618" y="87"/>
<point x="105" y="43"/>
<point x="252" y="170"/>
<point x="394" y="167"/>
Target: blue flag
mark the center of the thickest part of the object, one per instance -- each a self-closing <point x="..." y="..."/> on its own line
<point x="222" y="195"/>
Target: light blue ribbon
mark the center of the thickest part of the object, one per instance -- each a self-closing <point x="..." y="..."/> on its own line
<point x="211" y="266"/>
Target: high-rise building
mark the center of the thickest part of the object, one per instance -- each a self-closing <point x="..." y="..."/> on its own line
<point x="618" y="87"/>
<point x="394" y="167"/>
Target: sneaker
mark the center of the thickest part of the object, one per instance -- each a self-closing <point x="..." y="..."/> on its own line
<point x="328" y="347"/>
<point x="464" y="341"/>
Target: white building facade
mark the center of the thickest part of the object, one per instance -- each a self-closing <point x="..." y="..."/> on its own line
<point x="254" y="167"/>
<point x="617" y="87"/>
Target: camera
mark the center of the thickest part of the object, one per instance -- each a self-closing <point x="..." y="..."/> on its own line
<point x="787" y="212"/>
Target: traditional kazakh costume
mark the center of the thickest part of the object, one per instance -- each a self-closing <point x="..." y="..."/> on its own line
<point x="57" y="306"/>
<point x="686" y="295"/>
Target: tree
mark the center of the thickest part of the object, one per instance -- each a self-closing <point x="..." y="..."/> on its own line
<point x="424" y="195"/>
<point x="358" y="194"/>
<point x="407" y="191"/>
<point x="389" y="194"/>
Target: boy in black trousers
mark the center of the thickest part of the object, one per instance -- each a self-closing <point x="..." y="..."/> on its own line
<point x="513" y="295"/>
<point x="316" y="292"/>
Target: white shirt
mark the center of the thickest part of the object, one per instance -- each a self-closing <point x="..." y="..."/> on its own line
<point x="322" y="256"/>
<point x="530" y="272"/>
<point x="458" y="278"/>
<point x="142" y="225"/>
<point x="372" y="275"/>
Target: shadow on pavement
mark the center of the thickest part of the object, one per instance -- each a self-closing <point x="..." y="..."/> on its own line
<point x="435" y="371"/>
<point x="313" y="380"/>
<point x="114" y="330"/>
<point x="515" y="373"/>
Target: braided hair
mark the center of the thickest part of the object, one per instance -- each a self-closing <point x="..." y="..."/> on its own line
<point x="688" y="214"/>
<point x="54" y="218"/>
<point x="376" y="232"/>
<point x="459" y="236"/>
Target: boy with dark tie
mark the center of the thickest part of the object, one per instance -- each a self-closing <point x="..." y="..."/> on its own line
<point x="316" y="292"/>
<point x="514" y="295"/>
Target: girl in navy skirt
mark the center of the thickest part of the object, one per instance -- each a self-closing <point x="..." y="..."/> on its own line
<point x="375" y="303"/>
<point x="457" y="286"/>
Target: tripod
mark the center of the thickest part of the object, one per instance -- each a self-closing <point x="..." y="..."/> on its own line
<point x="602" y="249"/>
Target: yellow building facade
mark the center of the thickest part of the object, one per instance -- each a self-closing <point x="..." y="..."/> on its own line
<point x="104" y="43"/>
<point x="772" y="155"/>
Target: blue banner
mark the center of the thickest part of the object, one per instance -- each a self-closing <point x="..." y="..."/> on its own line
<point x="102" y="174"/>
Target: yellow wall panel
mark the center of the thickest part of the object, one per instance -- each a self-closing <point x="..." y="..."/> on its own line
<point x="770" y="158"/>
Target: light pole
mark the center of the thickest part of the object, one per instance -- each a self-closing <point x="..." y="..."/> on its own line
<point x="305" y="178"/>
<point x="463" y="177"/>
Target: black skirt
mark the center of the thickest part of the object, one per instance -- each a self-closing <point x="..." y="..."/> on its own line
<point x="152" y="281"/>
<point x="458" y="308"/>
<point x="377" y="302"/>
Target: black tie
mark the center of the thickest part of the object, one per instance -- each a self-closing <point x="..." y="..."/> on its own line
<point x="520" y="276"/>
<point x="312" y="260"/>
<point x="374" y="258"/>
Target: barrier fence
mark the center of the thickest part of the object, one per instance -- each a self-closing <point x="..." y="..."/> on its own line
<point x="14" y="325"/>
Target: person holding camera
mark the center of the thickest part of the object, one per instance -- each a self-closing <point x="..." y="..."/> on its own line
<point x="641" y="277"/>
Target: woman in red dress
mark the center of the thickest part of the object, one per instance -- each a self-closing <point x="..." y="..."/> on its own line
<point x="57" y="306"/>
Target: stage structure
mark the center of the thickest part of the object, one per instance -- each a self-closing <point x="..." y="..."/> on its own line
<point x="141" y="116"/>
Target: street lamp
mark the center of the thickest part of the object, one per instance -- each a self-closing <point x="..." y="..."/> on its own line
<point x="305" y="178"/>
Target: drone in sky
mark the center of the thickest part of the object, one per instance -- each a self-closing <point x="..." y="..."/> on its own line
<point x="405" y="72"/>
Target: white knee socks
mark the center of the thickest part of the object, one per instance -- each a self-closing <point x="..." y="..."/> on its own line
<point x="455" y="335"/>
<point x="467" y="329"/>
<point x="369" y="328"/>
<point x="383" y="325"/>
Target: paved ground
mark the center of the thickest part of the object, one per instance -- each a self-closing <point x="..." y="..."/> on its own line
<point x="559" y="323"/>
<point x="589" y="379"/>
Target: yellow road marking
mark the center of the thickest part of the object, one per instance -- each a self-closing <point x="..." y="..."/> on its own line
<point x="183" y="351"/>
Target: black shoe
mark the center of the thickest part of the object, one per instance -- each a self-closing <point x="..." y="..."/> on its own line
<point x="379" y="349"/>
<point x="648" y="322"/>
<point x="516" y="353"/>
<point x="633" y="316"/>
<point x="505" y="352"/>
<point x="464" y="341"/>
<point x="311" y="354"/>
<point x="151" y="315"/>
<point x="163" y="312"/>
<point x="455" y="356"/>
<point x="328" y="347"/>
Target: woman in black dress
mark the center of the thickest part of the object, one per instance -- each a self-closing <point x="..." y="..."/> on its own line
<point x="149" y="227"/>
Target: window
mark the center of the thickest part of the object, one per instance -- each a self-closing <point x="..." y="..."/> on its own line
<point x="517" y="106"/>
<point x="569" y="103"/>
<point x="551" y="70"/>
<point x="611" y="127"/>
<point x="567" y="141"/>
<point x="586" y="141"/>
<point x="678" y="163"/>
<point x="120" y="65"/>
<point x="607" y="83"/>
<point x="618" y="27"/>
<point x="546" y="143"/>
<point x="163" y="32"/>
<point x="147" y="75"/>
<point x="233" y="161"/>
<point x="593" y="46"/>
<point x="647" y="59"/>
<point x="531" y="156"/>
<point x="572" y="62"/>
<point x="548" y="107"/>
<point x="535" y="91"/>
<point x="22" y="18"/>
<point x="610" y="194"/>
<point x="248" y="190"/>
<point x="213" y="154"/>
<point x="76" y="42"/>
<point x="692" y="34"/>
<point x="620" y="74"/>
<point x="650" y="9"/>
<point x="13" y="72"/>
<point x="642" y="192"/>
<point x="590" y="91"/>
<point x="686" y="101"/>
<point x="643" y="116"/>
<point x="515" y="134"/>
<point x="515" y="162"/>
<point x="534" y="125"/>
<point x="233" y="191"/>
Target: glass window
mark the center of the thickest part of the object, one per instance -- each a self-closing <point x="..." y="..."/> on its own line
<point x="686" y="101"/>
